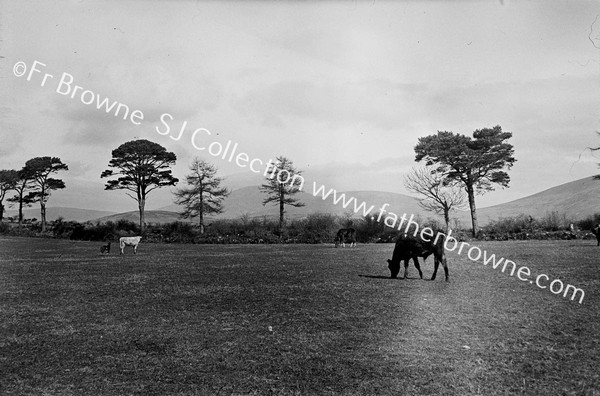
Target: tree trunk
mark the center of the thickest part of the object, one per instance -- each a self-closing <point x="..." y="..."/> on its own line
<point x="142" y="203"/>
<point x="201" y="211"/>
<point x="20" y="211"/>
<point x="471" y="194"/>
<point x="447" y="219"/>
<point x="1" y="212"/>
<point x="201" y="221"/>
<point x="281" y="209"/>
<point x="43" y="214"/>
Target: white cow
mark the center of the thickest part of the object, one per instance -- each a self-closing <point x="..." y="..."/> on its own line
<point x="129" y="241"/>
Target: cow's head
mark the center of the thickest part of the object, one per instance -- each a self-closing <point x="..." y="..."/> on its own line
<point x="394" y="268"/>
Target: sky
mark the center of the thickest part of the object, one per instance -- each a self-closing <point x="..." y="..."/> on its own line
<point x="342" y="88"/>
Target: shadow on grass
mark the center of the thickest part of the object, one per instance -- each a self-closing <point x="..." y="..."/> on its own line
<point x="388" y="278"/>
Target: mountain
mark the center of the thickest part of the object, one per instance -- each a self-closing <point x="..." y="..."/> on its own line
<point x="56" y="212"/>
<point x="151" y="216"/>
<point x="248" y="200"/>
<point x="577" y="199"/>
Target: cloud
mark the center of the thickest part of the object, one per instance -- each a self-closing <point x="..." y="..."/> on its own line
<point x="77" y="168"/>
<point x="377" y="103"/>
<point x="89" y="126"/>
<point x="11" y="134"/>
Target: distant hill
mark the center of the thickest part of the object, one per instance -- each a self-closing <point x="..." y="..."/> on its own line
<point x="578" y="199"/>
<point x="52" y="214"/>
<point x="248" y="200"/>
<point x="151" y="217"/>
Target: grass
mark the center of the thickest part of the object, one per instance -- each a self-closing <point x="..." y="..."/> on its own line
<point x="291" y="320"/>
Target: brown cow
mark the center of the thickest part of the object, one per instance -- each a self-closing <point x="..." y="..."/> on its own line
<point x="407" y="248"/>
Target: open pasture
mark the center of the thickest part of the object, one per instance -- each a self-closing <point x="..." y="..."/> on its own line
<point x="292" y="320"/>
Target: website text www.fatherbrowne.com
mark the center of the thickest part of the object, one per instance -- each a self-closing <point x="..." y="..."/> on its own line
<point x="65" y="85"/>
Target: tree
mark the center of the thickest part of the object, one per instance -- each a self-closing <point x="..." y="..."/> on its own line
<point x="476" y="163"/>
<point x="8" y="182"/>
<point x="143" y="166"/>
<point x="204" y="194"/>
<point x="40" y="169"/>
<point x="596" y="177"/>
<point x="282" y="183"/>
<point x="22" y="186"/>
<point x="438" y="194"/>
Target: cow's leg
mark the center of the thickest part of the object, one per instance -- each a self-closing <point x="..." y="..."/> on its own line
<point x="135" y="249"/>
<point x="394" y="268"/>
<point x="417" y="266"/>
<point x="122" y="246"/>
<point x="405" y="268"/>
<point x="436" y="264"/>
<point x="446" y="269"/>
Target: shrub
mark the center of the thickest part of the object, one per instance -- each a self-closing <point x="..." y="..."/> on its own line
<point x="589" y="222"/>
<point x="318" y="228"/>
<point x="555" y="221"/>
<point x="368" y="229"/>
<point x="127" y="226"/>
<point x="508" y="225"/>
<point x="179" y="232"/>
<point x="4" y="228"/>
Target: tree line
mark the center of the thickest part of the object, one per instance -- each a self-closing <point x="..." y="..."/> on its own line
<point x="33" y="183"/>
<point x="455" y="169"/>
<point x="139" y="167"/>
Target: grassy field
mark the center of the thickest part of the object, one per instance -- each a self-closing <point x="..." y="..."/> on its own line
<point x="292" y="320"/>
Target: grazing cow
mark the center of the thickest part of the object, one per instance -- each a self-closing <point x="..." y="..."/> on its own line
<point x="345" y="235"/>
<point x="105" y="248"/>
<point x="129" y="241"/>
<point x="407" y="248"/>
<point x="596" y="231"/>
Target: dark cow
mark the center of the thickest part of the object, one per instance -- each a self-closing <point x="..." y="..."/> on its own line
<point x="413" y="247"/>
<point x="596" y="231"/>
<point x="345" y="235"/>
<point x="105" y="248"/>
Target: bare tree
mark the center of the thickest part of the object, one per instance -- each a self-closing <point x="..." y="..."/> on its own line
<point x="439" y="194"/>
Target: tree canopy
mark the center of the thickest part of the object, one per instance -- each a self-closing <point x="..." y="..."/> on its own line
<point x="142" y="166"/>
<point x="477" y="163"/>
<point x="39" y="170"/>
<point x="8" y="182"/>
<point x="204" y="194"/>
<point x="280" y="190"/>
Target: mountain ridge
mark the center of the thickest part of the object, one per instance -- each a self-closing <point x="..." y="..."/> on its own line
<point x="577" y="199"/>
